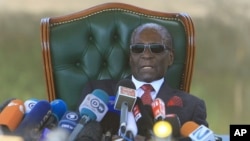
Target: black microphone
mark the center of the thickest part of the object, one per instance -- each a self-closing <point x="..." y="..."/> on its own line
<point x="129" y="136"/>
<point x="159" y="110"/>
<point x="144" y="118"/>
<point x="172" y="106"/>
<point x="30" y="126"/>
<point x="163" y="122"/>
<point x="93" y="107"/>
<point x="58" y="108"/>
<point x="91" y="132"/>
<point x="125" y="100"/>
<point x="108" y="136"/>
<point x="64" y="127"/>
<point x="174" y="120"/>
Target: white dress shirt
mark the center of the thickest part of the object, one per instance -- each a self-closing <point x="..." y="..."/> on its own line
<point x="155" y="84"/>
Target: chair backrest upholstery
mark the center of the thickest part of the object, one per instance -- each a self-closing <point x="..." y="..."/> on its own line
<point x="94" y="44"/>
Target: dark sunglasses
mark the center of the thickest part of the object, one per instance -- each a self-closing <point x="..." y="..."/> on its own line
<point x="154" y="48"/>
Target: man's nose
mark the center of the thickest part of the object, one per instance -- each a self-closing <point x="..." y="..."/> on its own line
<point x="147" y="52"/>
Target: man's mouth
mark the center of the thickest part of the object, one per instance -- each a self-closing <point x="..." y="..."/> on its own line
<point x="146" y="67"/>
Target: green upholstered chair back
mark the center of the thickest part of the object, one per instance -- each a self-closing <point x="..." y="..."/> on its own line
<point x="94" y="44"/>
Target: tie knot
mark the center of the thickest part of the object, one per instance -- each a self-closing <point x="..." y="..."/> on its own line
<point x="147" y="87"/>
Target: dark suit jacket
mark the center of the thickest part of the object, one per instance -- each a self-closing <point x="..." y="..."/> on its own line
<point x="194" y="109"/>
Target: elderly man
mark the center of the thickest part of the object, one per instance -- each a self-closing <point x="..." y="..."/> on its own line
<point x="151" y="53"/>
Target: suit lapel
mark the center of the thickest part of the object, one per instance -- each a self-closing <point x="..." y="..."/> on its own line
<point x="165" y="92"/>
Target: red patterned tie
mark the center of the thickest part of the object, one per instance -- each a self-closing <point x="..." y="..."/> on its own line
<point x="146" y="97"/>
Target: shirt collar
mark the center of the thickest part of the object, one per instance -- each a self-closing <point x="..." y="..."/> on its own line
<point x="155" y="84"/>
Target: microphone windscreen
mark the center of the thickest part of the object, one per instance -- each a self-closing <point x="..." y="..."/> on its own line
<point x="91" y="132"/>
<point x="29" y="104"/>
<point x="69" y="121"/>
<point x="58" y="108"/>
<point x="197" y="132"/>
<point x="12" y="114"/>
<point x="5" y="103"/>
<point x="102" y="95"/>
<point x="33" y="121"/>
<point x="162" y="130"/>
<point x="144" y="118"/>
<point x="95" y="105"/>
<point x="174" y="120"/>
<point x="187" y="128"/>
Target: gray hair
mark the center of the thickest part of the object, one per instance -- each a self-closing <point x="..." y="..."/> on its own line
<point x="166" y="36"/>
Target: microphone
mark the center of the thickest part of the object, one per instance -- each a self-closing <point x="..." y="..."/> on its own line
<point x="131" y="128"/>
<point x="91" y="132"/>
<point x="144" y="118"/>
<point x="12" y="115"/>
<point x="108" y="136"/>
<point x="196" y="132"/>
<point x="29" y="104"/>
<point x="123" y="118"/>
<point x="162" y="131"/>
<point x="93" y="107"/>
<point x="31" y="124"/>
<point x="10" y="138"/>
<point x="5" y="103"/>
<point x="129" y="136"/>
<point x="158" y="108"/>
<point x="66" y="125"/>
<point x="69" y="121"/>
<point x="111" y="105"/>
<point x="125" y="100"/>
<point x="174" y="121"/>
<point x="56" y="134"/>
<point x="159" y="111"/>
<point x="58" y="108"/>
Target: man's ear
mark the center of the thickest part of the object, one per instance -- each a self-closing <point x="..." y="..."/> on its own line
<point x="170" y="58"/>
<point x="129" y="60"/>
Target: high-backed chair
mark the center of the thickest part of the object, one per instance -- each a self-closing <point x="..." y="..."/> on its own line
<point x="94" y="44"/>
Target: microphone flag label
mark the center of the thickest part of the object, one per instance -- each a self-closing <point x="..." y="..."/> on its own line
<point x="136" y="112"/>
<point x="202" y="133"/>
<point x="127" y="91"/>
<point x="72" y="116"/>
<point x="240" y="132"/>
<point x="93" y="103"/>
<point x="125" y="94"/>
<point x="158" y="108"/>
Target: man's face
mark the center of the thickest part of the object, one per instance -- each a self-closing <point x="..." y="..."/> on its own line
<point x="148" y="66"/>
